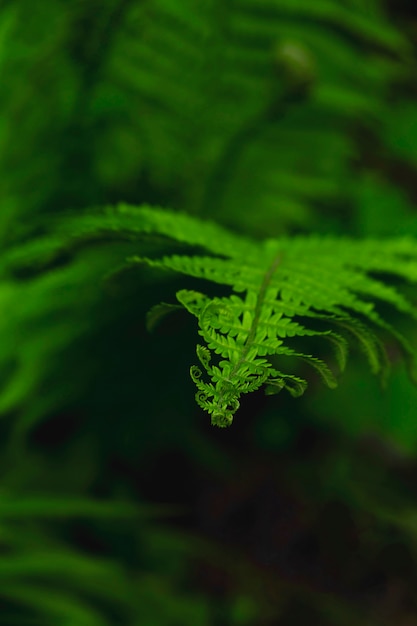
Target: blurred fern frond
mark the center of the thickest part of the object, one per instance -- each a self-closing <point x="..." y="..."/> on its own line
<point x="173" y="102"/>
<point x="45" y="580"/>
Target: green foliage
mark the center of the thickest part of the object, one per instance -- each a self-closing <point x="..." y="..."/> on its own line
<point x="287" y="285"/>
<point x="281" y="119"/>
<point x="208" y="107"/>
<point x="42" y="578"/>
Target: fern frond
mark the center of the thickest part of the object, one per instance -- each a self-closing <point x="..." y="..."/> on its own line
<point x="147" y="92"/>
<point x="282" y="291"/>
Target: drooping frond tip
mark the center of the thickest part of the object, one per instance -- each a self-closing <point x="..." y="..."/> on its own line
<point x="284" y="293"/>
<point x="284" y="289"/>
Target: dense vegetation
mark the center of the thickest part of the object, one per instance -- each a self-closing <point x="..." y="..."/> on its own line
<point x="280" y="140"/>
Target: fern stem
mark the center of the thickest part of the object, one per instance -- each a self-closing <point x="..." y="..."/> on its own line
<point x="258" y="308"/>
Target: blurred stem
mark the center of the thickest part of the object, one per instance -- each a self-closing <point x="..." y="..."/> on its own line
<point x="224" y="168"/>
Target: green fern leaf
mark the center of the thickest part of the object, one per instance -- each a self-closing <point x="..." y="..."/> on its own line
<point x="282" y="292"/>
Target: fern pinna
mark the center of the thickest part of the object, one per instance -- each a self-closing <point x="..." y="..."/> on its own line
<point x="280" y="289"/>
